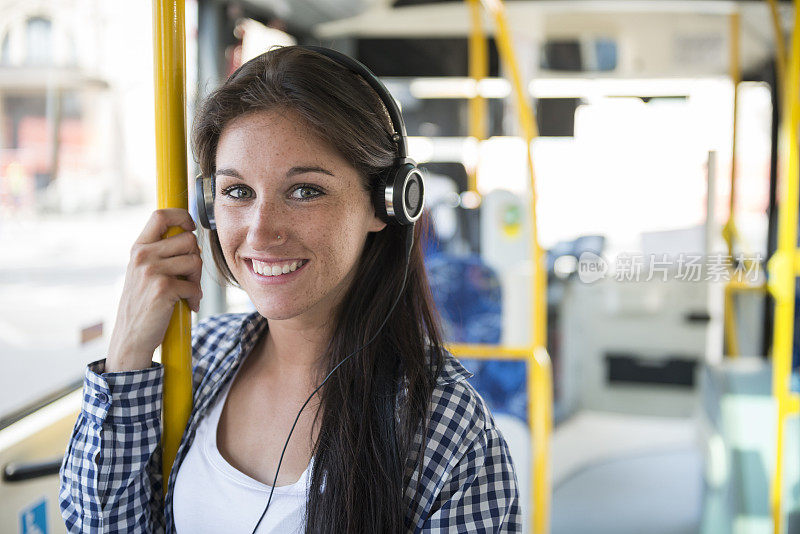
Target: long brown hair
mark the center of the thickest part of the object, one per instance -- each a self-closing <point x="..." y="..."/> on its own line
<point x="379" y="398"/>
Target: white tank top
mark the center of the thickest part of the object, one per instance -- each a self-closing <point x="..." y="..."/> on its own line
<point x="212" y="496"/>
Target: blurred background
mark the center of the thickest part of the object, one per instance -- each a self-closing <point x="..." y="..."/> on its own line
<point x="659" y="324"/>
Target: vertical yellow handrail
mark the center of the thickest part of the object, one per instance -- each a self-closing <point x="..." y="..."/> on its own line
<point x="540" y="412"/>
<point x="529" y="132"/>
<point x="539" y="367"/>
<point x="736" y="78"/>
<point x="780" y="48"/>
<point x="170" y="105"/>
<point x="729" y="230"/>
<point x="478" y="70"/>
<point x="782" y="266"/>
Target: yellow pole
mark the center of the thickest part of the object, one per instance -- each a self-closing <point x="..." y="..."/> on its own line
<point x="478" y="70"/>
<point x="781" y="265"/>
<point x="529" y="132"/>
<point x="170" y="76"/>
<point x="736" y="77"/>
<point x="540" y="360"/>
<point x="540" y="411"/>
<point x="729" y="230"/>
<point x="780" y="48"/>
<point x="729" y="323"/>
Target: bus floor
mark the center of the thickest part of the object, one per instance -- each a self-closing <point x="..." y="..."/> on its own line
<point x="622" y="474"/>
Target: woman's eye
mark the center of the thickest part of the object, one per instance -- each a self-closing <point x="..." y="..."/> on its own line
<point x="238" y="192"/>
<point x="305" y="192"/>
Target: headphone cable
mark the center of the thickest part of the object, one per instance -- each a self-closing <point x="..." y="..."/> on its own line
<point x="409" y="244"/>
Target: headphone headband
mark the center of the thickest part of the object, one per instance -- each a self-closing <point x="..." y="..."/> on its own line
<point x="386" y="97"/>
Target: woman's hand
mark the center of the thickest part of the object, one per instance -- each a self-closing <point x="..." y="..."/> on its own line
<point x="160" y="272"/>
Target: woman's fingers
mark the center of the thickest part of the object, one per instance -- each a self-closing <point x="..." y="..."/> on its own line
<point x="176" y="245"/>
<point x="160" y="272"/>
<point x="189" y="266"/>
<point x="189" y="290"/>
<point x="161" y="220"/>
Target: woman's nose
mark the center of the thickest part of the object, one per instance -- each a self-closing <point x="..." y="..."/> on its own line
<point x="268" y="226"/>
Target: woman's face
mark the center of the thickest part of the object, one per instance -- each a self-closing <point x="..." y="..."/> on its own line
<point x="276" y="178"/>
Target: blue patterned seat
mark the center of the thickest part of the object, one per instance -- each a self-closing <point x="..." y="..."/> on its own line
<point x="468" y="295"/>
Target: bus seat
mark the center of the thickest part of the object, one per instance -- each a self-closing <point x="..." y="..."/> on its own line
<point x="468" y="295"/>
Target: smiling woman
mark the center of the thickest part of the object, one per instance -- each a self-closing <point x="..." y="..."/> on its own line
<point x="300" y="152"/>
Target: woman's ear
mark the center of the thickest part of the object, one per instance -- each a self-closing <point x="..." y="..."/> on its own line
<point x="377" y="224"/>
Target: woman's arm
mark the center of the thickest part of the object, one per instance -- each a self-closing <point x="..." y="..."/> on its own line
<point x="111" y="477"/>
<point x="480" y="493"/>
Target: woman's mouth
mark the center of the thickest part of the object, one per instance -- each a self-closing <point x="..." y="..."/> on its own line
<point x="275" y="272"/>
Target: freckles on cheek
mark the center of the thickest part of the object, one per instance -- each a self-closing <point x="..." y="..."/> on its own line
<point x="348" y="243"/>
<point x="228" y="229"/>
<point x="333" y="249"/>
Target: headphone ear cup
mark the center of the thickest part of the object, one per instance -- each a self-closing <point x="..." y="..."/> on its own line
<point x="379" y="204"/>
<point x="378" y="200"/>
<point x="400" y="198"/>
<point x="204" y="199"/>
<point x="413" y="194"/>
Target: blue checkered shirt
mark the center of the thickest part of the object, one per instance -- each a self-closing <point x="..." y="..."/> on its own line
<point x="111" y="478"/>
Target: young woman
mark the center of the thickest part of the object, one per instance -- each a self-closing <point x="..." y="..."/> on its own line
<point x="396" y="440"/>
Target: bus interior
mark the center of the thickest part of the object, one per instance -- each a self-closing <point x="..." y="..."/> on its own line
<point x="612" y="193"/>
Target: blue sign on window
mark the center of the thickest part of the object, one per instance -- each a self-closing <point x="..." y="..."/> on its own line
<point x="33" y="520"/>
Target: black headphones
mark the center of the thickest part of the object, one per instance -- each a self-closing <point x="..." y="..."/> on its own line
<point x="400" y="195"/>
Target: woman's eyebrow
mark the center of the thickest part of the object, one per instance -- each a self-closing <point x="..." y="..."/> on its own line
<point x="309" y="168"/>
<point x="229" y="172"/>
<point x="292" y="172"/>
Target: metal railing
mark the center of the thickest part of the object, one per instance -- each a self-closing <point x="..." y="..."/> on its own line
<point x="539" y="370"/>
<point x="784" y="265"/>
<point x="171" y="172"/>
<point x="730" y="232"/>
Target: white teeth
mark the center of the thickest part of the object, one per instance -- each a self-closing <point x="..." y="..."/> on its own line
<point x="275" y="270"/>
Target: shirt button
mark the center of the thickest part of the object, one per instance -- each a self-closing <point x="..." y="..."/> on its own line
<point x="102" y="397"/>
